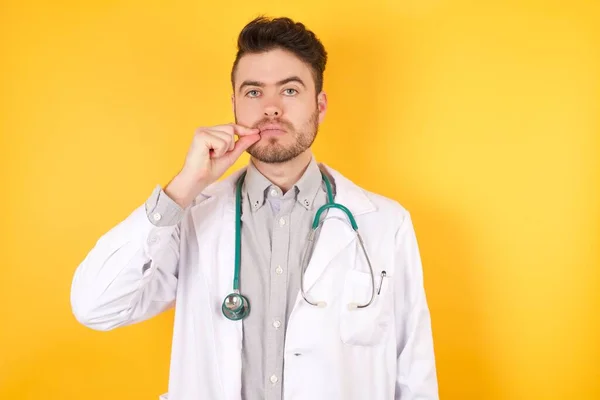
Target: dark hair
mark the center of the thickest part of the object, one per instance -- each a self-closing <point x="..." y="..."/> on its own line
<point x="263" y="34"/>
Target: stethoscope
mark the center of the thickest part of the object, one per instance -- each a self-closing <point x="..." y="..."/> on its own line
<point x="236" y="306"/>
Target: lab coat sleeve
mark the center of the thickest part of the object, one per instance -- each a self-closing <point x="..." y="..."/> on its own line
<point x="129" y="275"/>
<point x="416" y="370"/>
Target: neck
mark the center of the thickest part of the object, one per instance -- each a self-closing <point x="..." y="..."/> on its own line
<point x="285" y="175"/>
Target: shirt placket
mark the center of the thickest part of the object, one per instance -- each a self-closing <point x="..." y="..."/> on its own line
<point x="278" y="292"/>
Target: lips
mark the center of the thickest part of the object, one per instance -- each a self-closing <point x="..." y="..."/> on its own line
<point x="272" y="129"/>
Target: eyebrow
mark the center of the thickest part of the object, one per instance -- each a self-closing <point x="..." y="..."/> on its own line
<point x="280" y="83"/>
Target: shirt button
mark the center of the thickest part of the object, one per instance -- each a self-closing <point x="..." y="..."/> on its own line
<point x="279" y="270"/>
<point x="274" y="192"/>
<point x="281" y="221"/>
<point x="157" y="216"/>
<point x="276" y="324"/>
<point x="274" y="379"/>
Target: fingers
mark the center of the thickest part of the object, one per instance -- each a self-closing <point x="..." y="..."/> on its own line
<point x="220" y="140"/>
<point x="226" y="136"/>
<point x="236" y="129"/>
<point x="215" y="143"/>
<point x="244" y="131"/>
<point x="241" y="145"/>
<point x="231" y="130"/>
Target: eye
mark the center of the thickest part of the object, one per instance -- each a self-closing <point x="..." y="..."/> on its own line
<point x="253" y="93"/>
<point x="290" y="92"/>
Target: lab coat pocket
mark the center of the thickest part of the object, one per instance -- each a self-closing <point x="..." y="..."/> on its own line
<point x="365" y="326"/>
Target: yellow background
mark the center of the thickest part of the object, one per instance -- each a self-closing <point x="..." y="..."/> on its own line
<point x="480" y="117"/>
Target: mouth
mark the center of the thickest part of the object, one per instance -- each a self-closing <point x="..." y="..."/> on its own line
<point x="272" y="131"/>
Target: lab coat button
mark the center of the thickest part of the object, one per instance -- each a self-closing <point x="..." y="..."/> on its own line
<point x="274" y="379"/>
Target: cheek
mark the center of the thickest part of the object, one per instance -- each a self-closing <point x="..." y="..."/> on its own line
<point x="247" y="112"/>
<point x="299" y="112"/>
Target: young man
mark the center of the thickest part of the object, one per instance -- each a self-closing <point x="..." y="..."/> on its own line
<point x="263" y="310"/>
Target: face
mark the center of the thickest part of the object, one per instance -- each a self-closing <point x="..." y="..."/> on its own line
<point x="275" y="92"/>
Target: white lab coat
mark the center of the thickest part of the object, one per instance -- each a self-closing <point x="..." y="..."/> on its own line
<point x="137" y="270"/>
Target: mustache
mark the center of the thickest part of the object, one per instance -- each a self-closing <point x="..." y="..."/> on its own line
<point x="269" y="121"/>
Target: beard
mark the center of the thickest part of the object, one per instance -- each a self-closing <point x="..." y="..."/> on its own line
<point x="274" y="152"/>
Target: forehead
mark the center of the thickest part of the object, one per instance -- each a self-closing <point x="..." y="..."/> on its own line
<point x="271" y="66"/>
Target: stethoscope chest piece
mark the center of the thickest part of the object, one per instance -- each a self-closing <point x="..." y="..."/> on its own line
<point x="235" y="307"/>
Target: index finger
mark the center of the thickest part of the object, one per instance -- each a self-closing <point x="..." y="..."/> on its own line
<point x="243" y="130"/>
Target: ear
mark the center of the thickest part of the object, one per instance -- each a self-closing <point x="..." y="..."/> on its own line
<point x="322" y="105"/>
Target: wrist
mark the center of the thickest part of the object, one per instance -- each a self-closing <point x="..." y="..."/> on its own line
<point x="183" y="190"/>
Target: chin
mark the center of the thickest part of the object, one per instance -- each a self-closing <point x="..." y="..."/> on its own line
<point x="271" y="156"/>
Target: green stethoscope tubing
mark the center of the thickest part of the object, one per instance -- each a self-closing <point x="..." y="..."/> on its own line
<point x="236" y="306"/>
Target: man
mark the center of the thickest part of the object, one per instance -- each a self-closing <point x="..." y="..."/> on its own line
<point x="345" y="319"/>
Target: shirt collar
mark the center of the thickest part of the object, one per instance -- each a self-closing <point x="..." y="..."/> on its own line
<point x="309" y="184"/>
<point x="257" y="186"/>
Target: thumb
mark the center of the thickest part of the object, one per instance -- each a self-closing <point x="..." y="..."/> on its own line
<point x="241" y="145"/>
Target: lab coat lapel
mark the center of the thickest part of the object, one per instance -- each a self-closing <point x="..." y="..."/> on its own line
<point x="219" y="207"/>
<point x="335" y="235"/>
<point x="229" y="336"/>
<point x="220" y="200"/>
<point x="336" y="231"/>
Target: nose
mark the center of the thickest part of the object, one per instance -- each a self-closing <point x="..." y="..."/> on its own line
<point x="272" y="111"/>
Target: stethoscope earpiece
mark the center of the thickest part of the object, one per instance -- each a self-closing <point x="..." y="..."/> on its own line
<point x="235" y="307"/>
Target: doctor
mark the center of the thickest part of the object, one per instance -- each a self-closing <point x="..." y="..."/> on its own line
<point x="288" y="280"/>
